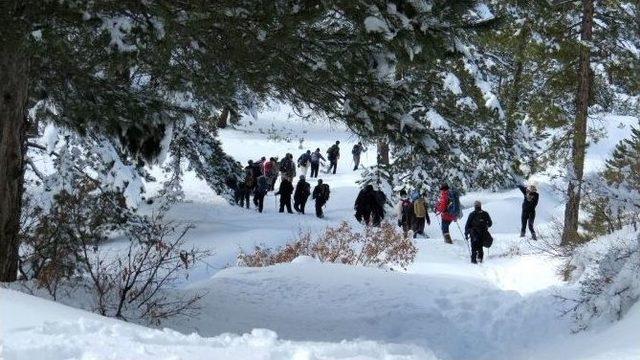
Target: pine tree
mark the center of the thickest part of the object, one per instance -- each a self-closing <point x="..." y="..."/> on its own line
<point x="129" y="71"/>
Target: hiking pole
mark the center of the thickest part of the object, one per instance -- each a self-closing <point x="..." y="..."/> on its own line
<point x="465" y="238"/>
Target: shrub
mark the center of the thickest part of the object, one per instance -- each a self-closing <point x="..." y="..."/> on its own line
<point x="609" y="283"/>
<point x="376" y="246"/>
<point x="64" y="248"/>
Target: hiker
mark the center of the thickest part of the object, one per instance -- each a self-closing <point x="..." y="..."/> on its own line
<point x="262" y="188"/>
<point x="258" y="167"/>
<point x="300" y="196"/>
<point x="267" y="166"/>
<point x="321" y="195"/>
<point x="248" y="184"/>
<point x="232" y="182"/>
<point x="405" y="213"/>
<point x="287" y="168"/>
<point x="356" y="151"/>
<point x="304" y="161"/>
<point x="365" y="202"/>
<point x="449" y="209"/>
<point x="333" y="154"/>
<point x="421" y="215"/>
<point x="272" y="174"/>
<point x="377" y="212"/>
<point x="528" y="209"/>
<point x="285" y="191"/>
<point x="478" y="224"/>
<point x="316" y="156"/>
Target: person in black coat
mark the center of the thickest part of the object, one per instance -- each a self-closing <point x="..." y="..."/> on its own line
<point x="321" y="195"/>
<point x="478" y="224"/>
<point x="300" y="196"/>
<point x="377" y="212"/>
<point x="315" y="156"/>
<point x="365" y="202"/>
<point x="285" y="191"/>
<point x="528" y="209"/>
<point x="333" y="154"/>
<point x="260" y="192"/>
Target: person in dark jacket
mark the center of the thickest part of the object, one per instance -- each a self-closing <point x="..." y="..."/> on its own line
<point x="287" y="168"/>
<point x="477" y="228"/>
<point x="406" y="215"/>
<point x="285" y="191"/>
<point x="356" y="152"/>
<point x="365" y="202"/>
<point x="300" y="196"/>
<point x="262" y="188"/>
<point x="377" y="212"/>
<point x="528" y="209"/>
<point x="321" y="195"/>
<point x="333" y="154"/>
<point x="232" y="183"/>
<point x="248" y="185"/>
<point x="304" y="161"/>
<point x="316" y="156"/>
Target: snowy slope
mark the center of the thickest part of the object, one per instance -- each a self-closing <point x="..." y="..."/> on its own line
<point x="441" y="307"/>
<point x="34" y="328"/>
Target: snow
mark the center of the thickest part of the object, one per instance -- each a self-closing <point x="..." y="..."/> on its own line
<point x="375" y="24"/>
<point x="441" y="307"/>
<point x="34" y="328"/>
<point x="452" y="83"/>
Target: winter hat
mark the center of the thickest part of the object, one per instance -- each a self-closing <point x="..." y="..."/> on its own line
<point x="302" y="177"/>
<point x="338" y="142"/>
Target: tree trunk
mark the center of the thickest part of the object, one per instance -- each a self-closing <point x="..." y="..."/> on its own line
<point x="514" y="93"/>
<point x="572" y="208"/>
<point x="383" y="152"/>
<point x="13" y="100"/>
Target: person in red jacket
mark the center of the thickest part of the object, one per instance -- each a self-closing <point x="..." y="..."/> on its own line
<point x="442" y="208"/>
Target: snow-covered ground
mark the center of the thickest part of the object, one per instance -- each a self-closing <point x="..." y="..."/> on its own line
<point x="442" y="307"/>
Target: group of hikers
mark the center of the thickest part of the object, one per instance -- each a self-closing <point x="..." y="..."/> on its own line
<point x="412" y="212"/>
<point x="260" y="178"/>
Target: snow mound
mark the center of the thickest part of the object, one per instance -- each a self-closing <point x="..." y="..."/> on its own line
<point x="53" y="335"/>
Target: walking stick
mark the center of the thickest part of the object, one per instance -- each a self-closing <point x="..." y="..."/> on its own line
<point x="465" y="238"/>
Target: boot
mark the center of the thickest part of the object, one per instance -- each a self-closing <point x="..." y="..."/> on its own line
<point x="522" y="234"/>
<point x="447" y="239"/>
<point x="533" y="235"/>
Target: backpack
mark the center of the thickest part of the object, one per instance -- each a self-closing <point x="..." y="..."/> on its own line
<point x="315" y="157"/>
<point x="249" y="179"/>
<point x="306" y="190"/>
<point x="479" y="224"/>
<point x="263" y="185"/>
<point x="453" y="207"/>
<point x="285" y="165"/>
<point x="355" y="150"/>
<point x="406" y="210"/>
<point x="303" y="159"/>
<point x="324" y="191"/>
<point x="333" y="152"/>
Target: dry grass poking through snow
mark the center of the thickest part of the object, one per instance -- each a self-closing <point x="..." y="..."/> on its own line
<point x="376" y="246"/>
